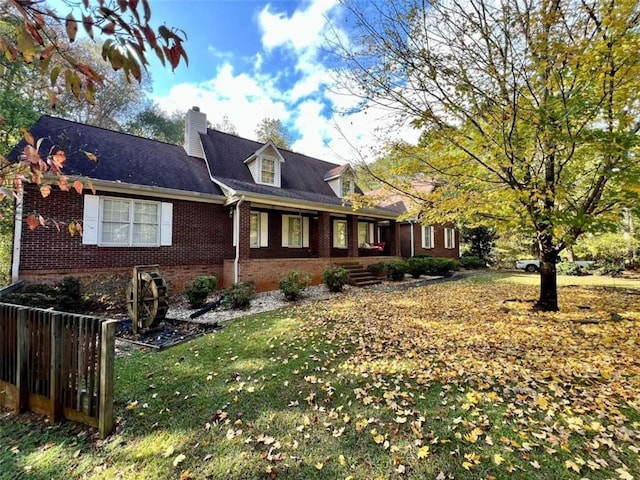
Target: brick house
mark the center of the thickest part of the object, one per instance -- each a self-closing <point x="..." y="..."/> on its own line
<point x="416" y="238"/>
<point x="220" y="205"/>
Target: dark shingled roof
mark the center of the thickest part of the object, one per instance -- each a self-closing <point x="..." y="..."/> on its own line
<point x="140" y="161"/>
<point x="302" y="177"/>
<point x="121" y="157"/>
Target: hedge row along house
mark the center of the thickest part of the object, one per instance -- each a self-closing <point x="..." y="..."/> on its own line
<point x="220" y="205"/>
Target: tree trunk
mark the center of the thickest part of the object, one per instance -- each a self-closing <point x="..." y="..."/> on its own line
<point x="548" y="301"/>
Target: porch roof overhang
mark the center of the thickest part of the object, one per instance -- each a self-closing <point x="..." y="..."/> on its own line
<point x="275" y="201"/>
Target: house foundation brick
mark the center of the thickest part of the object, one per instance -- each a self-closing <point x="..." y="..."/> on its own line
<point x="266" y="274"/>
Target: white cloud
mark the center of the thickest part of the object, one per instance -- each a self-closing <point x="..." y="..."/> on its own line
<point x="300" y="31"/>
<point x="247" y="97"/>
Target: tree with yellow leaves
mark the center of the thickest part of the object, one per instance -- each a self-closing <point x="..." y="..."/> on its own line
<point x="529" y="110"/>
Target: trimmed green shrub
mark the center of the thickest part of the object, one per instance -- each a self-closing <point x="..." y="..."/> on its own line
<point x="378" y="269"/>
<point x="396" y="269"/>
<point x="293" y="284"/>
<point x="570" y="268"/>
<point x="240" y="295"/>
<point x="440" y="266"/>
<point x="69" y="294"/>
<point x="70" y="287"/>
<point x="472" y="263"/>
<point x="199" y="289"/>
<point x="335" y="278"/>
<point x="417" y="266"/>
<point x="611" y="269"/>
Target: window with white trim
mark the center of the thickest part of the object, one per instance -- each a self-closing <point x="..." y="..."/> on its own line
<point x="427" y="236"/>
<point x="365" y="233"/>
<point x="295" y="231"/>
<point x="347" y="185"/>
<point x="254" y="230"/>
<point x="449" y="238"/>
<point x="259" y="230"/>
<point x="111" y="221"/>
<point x="340" y="234"/>
<point x="268" y="170"/>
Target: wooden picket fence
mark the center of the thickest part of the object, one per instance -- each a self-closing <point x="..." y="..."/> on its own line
<point x="57" y="364"/>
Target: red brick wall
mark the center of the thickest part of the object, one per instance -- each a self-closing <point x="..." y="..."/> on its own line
<point x="266" y="274"/>
<point x="275" y="248"/>
<point x="198" y="247"/>
<point x="438" y="237"/>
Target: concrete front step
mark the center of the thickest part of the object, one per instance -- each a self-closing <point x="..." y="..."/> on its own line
<point x="358" y="276"/>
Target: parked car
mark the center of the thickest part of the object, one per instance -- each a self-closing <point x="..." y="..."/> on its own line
<point x="533" y="265"/>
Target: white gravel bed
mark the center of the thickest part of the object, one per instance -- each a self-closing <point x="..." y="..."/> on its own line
<point x="263" y="302"/>
<point x="273" y="300"/>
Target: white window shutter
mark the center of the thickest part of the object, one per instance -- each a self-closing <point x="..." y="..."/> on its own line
<point x="432" y="242"/>
<point x="285" y="231"/>
<point x="166" y="224"/>
<point x="305" y="232"/>
<point x="90" y="220"/>
<point x="264" y="229"/>
<point x="449" y="238"/>
<point x="335" y="233"/>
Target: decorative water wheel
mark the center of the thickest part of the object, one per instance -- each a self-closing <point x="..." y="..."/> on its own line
<point x="147" y="301"/>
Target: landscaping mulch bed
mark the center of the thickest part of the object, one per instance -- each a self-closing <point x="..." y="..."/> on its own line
<point x="170" y="332"/>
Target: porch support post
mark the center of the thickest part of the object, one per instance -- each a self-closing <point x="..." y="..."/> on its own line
<point x="245" y="231"/>
<point x="394" y="228"/>
<point x="324" y="233"/>
<point x="241" y="234"/>
<point x="352" y="235"/>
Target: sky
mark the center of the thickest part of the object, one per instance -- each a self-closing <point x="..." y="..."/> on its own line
<point x="253" y="59"/>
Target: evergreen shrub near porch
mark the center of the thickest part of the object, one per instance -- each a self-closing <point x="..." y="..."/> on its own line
<point x="335" y="278"/>
<point x="199" y="289"/>
<point x="293" y="284"/>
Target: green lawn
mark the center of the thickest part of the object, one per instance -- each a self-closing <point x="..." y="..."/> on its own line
<point x="440" y="381"/>
<point x="625" y="281"/>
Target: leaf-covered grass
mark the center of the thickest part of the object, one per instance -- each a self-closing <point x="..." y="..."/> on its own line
<point x="443" y="381"/>
<point x="533" y="279"/>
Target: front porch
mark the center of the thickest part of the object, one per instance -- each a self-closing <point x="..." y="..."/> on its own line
<point x="270" y="240"/>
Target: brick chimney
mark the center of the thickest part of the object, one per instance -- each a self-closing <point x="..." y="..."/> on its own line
<point x="195" y="123"/>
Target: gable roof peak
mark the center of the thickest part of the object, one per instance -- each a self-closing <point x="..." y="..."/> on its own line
<point x="338" y="171"/>
<point x="262" y="149"/>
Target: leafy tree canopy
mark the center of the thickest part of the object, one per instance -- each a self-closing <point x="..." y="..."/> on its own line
<point x="529" y="110"/>
<point x="35" y="40"/>
<point x="152" y="122"/>
<point x="270" y="129"/>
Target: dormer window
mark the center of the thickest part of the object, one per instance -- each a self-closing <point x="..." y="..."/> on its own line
<point x="347" y="185"/>
<point x="268" y="170"/>
<point x="265" y="165"/>
<point x="341" y="180"/>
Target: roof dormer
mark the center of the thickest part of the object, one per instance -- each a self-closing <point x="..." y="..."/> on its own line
<point x="341" y="180"/>
<point x="265" y="165"/>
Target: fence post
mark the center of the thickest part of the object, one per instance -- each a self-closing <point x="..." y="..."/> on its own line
<point x="107" y="357"/>
<point x="56" y="367"/>
<point x="22" y="360"/>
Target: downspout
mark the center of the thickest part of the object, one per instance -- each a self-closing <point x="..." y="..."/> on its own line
<point x="236" y="235"/>
<point x="413" y="252"/>
<point x="17" y="239"/>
